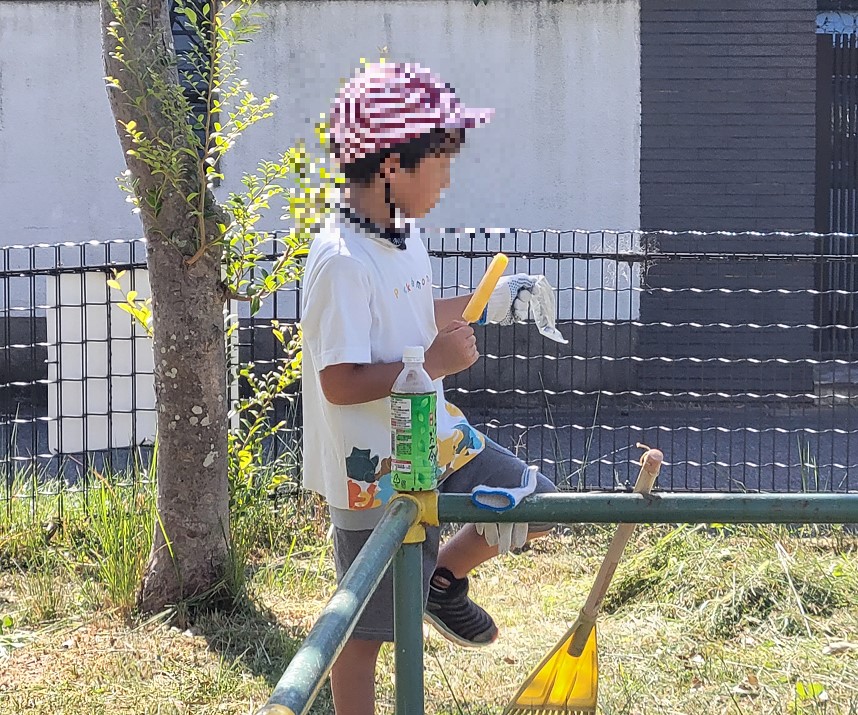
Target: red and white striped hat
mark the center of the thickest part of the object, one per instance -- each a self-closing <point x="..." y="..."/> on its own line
<point x="387" y="104"/>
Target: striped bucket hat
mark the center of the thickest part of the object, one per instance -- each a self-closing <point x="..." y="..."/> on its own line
<point x="390" y="103"/>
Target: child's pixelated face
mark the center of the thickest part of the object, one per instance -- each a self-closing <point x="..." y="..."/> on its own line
<point x="417" y="191"/>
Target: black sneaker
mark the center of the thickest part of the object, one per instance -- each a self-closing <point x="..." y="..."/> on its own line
<point x="456" y="616"/>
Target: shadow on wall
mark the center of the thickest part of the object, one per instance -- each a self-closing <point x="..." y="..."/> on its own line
<point x="23" y="363"/>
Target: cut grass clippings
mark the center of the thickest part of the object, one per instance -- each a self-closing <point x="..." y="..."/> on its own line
<point x="760" y="620"/>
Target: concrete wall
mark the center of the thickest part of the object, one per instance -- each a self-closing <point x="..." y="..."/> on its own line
<point x="728" y="143"/>
<point x="728" y="115"/>
<point x="561" y="153"/>
<point x="59" y="153"/>
<point x="101" y="392"/>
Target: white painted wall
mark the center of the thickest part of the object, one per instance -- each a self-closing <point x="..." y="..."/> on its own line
<point x="100" y="365"/>
<point x="59" y="153"/>
<point x="101" y="392"/>
<point x="562" y="152"/>
<point x="563" y="149"/>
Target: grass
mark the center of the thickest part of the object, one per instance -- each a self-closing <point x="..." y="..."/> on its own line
<point x="753" y="620"/>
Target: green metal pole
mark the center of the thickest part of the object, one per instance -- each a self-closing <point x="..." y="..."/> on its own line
<point x="662" y="508"/>
<point x="408" y="628"/>
<point x="306" y="672"/>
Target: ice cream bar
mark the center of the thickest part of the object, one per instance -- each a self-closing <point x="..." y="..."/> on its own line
<point x="480" y="299"/>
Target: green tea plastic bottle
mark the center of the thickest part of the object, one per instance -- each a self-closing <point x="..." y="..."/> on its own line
<point x="414" y="432"/>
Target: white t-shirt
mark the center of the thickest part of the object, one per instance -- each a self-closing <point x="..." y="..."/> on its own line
<point x="364" y="301"/>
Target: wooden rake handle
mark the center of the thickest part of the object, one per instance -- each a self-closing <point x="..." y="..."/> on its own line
<point x="650" y="467"/>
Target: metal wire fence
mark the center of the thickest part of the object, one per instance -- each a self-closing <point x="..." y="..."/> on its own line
<point x="730" y="352"/>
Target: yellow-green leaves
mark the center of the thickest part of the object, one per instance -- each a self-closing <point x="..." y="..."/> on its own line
<point x="258" y="262"/>
<point x="141" y="311"/>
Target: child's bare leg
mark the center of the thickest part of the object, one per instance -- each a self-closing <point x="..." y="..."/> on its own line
<point x="353" y="678"/>
<point x="467" y="549"/>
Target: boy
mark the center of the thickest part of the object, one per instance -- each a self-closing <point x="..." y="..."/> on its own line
<point x="367" y="294"/>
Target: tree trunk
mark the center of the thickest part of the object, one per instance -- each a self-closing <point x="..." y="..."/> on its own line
<point x="191" y="399"/>
<point x="190" y="548"/>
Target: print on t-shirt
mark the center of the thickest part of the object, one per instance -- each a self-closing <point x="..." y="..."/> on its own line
<point x="369" y="480"/>
<point x="459" y="447"/>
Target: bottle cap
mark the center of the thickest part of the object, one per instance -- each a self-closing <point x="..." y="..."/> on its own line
<point x="413" y="353"/>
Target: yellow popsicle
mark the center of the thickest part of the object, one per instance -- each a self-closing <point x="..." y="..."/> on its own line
<point x="481" y="296"/>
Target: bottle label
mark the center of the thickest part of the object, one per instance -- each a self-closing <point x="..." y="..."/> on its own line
<point x="414" y="445"/>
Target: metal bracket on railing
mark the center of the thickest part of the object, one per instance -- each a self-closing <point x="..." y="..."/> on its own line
<point x="427" y="514"/>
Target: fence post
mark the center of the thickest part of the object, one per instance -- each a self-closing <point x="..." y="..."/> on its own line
<point x="408" y="606"/>
<point x="302" y="679"/>
<point x="408" y="628"/>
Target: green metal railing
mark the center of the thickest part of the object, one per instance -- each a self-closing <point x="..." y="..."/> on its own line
<point x="307" y="671"/>
<point x="300" y="683"/>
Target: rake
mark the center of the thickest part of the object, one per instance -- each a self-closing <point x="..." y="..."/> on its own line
<point x="566" y="681"/>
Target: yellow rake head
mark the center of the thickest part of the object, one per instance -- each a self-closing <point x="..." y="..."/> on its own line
<point x="562" y="684"/>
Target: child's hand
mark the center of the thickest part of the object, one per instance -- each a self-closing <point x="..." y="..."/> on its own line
<point x="454" y="350"/>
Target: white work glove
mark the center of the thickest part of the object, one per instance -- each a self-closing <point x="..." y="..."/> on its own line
<point x="504" y="536"/>
<point x="498" y="499"/>
<point x="519" y="297"/>
<point x="510" y="300"/>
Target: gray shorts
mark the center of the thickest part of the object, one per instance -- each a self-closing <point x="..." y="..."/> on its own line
<point x="494" y="466"/>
